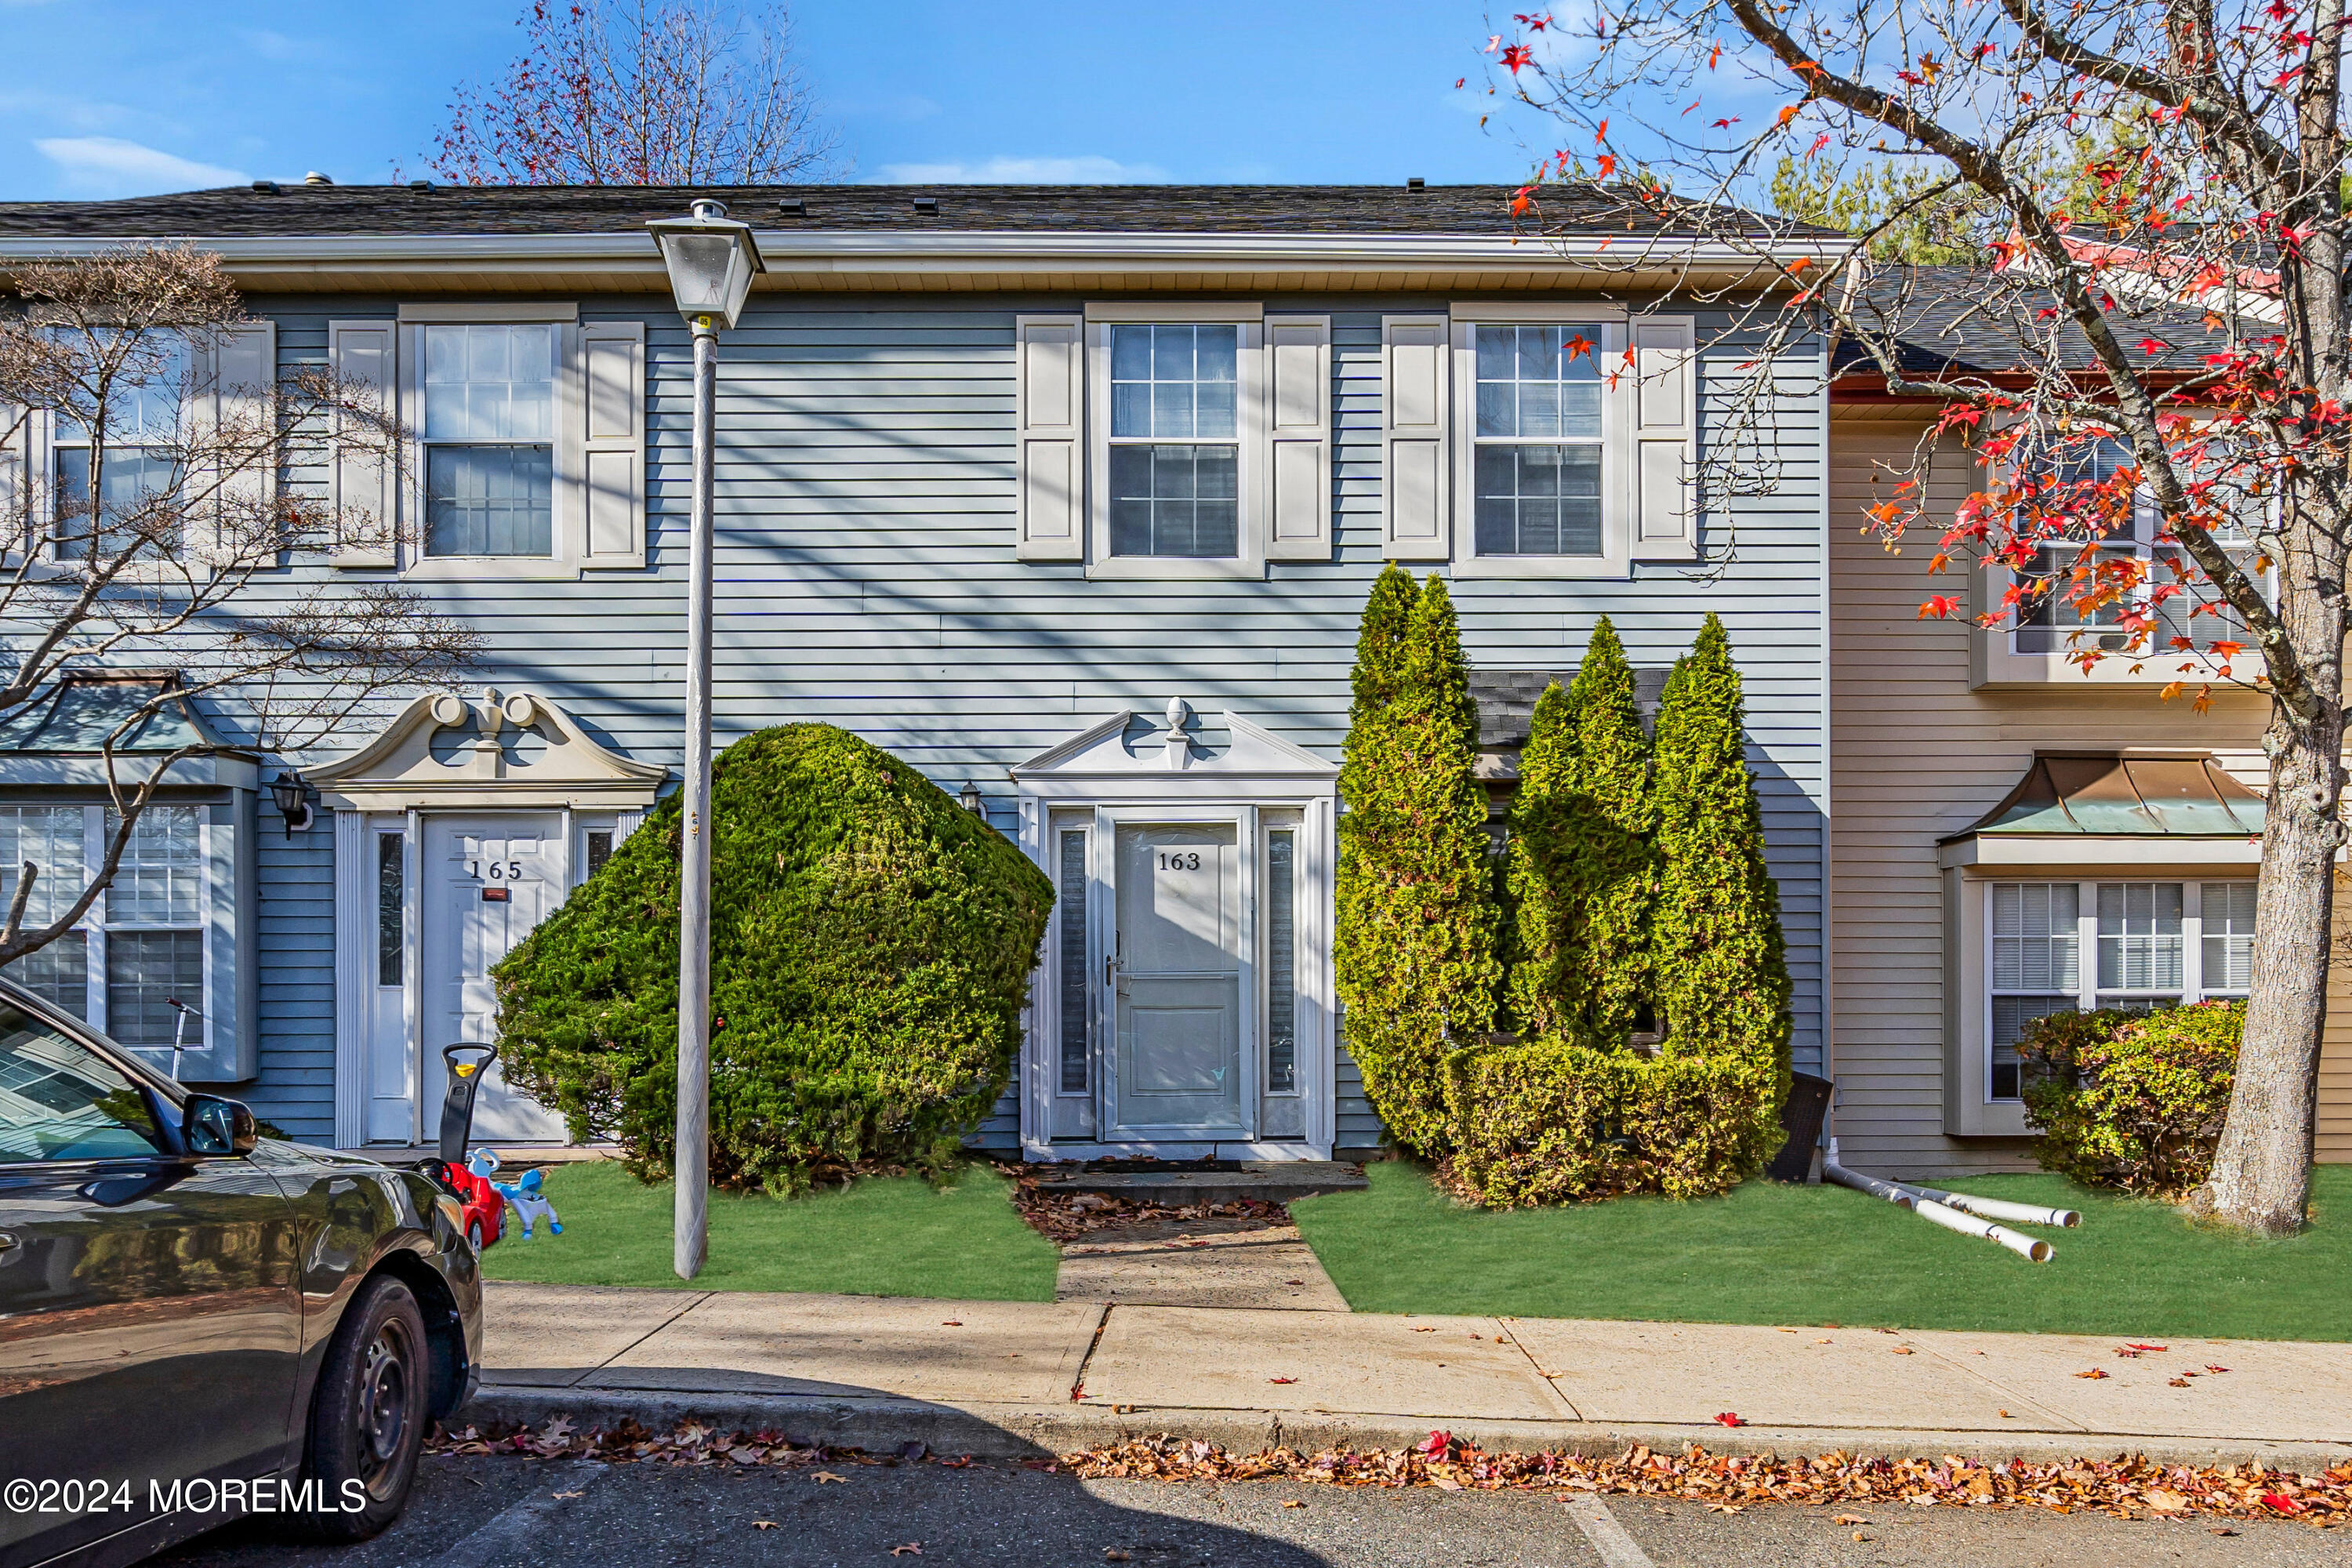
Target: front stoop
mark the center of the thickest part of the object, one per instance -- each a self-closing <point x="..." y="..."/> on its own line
<point x="1207" y="1180"/>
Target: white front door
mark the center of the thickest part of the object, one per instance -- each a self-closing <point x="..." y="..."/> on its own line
<point x="485" y="881"/>
<point x="1182" y="984"/>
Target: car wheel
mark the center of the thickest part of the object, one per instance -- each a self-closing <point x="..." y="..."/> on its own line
<point x="368" y="1418"/>
<point x="474" y="1234"/>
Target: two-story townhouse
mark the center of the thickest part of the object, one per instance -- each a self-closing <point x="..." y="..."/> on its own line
<point x="2018" y="831"/>
<point x="1071" y="497"/>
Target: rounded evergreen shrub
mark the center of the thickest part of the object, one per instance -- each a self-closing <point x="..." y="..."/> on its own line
<point x="871" y="945"/>
<point x="2133" y="1100"/>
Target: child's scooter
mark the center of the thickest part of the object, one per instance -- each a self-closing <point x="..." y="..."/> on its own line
<point x="525" y="1196"/>
<point x="484" y="1208"/>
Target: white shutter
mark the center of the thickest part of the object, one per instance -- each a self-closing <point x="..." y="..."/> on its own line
<point x="1298" y="432"/>
<point x="361" y="355"/>
<point x="1049" y="409"/>
<point x="242" y="382"/>
<point x="613" y="462"/>
<point x="1416" y="474"/>
<point x="1664" y="404"/>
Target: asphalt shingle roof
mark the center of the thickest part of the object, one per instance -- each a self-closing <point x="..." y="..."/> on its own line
<point x="303" y="210"/>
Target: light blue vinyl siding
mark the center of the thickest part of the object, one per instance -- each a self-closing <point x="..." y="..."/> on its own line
<point x="866" y="576"/>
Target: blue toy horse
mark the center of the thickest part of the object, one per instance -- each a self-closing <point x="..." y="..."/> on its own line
<point x="526" y="1199"/>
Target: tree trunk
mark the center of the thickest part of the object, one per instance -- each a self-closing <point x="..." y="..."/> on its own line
<point x="2260" y="1179"/>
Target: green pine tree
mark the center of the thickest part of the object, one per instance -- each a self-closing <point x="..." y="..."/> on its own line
<point x="1583" y="875"/>
<point x="1722" y="975"/>
<point x="1414" y="944"/>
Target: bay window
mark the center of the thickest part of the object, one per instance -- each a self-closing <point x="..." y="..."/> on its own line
<point x="2057" y="946"/>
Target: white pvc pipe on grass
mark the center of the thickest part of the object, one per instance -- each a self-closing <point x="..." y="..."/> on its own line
<point x="2032" y="1248"/>
<point x="1995" y="1208"/>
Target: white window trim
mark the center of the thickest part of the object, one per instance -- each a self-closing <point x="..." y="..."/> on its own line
<point x="1995" y="661"/>
<point x="1970" y="1109"/>
<point x="1617" y="498"/>
<point x="1249" y="435"/>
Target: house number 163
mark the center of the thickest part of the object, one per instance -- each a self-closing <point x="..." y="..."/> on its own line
<point x="508" y="870"/>
<point x="1179" y="859"/>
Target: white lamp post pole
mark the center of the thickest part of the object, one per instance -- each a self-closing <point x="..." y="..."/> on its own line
<point x="712" y="260"/>
<point x="692" y="1167"/>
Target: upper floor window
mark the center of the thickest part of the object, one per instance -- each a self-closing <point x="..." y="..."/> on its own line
<point x="1535" y="475"/>
<point x="488" y="436"/>
<point x="136" y="451"/>
<point x="1175" y="440"/>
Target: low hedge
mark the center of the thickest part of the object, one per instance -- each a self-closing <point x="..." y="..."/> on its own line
<point x="2133" y="1101"/>
<point x="871" y="944"/>
<point x="1543" y="1123"/>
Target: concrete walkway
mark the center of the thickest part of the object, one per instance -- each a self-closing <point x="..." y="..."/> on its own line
<point x="1198" y="1263"/>
<point x="1020" y="1377"/>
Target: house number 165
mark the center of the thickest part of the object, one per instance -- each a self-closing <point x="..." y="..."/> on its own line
<point x="1179" y="859"/>
<point x="508" y="870"/>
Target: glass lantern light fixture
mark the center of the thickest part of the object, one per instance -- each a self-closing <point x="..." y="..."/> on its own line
<point x="292" y="795"/>
<point x="712" y="260"/>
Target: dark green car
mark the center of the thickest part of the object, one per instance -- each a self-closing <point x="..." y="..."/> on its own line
<point x="198" y="1323"/>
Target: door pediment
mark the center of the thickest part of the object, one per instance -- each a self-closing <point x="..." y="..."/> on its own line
<point x="424" y="760"/>
<point x="1256" y="761"/>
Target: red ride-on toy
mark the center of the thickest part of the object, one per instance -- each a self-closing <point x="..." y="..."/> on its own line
<point x="485" y="1210"/>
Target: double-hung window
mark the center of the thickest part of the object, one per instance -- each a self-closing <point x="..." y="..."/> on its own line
<point x="1175" y="440"/>
<point x="489" y="433"/>
<point x="142" y="945"/>
<point x="137" y="454"/>
<point x="1536" y="471"/>
<point x="2102" y="567"/>
<point x="2061" y="945"/>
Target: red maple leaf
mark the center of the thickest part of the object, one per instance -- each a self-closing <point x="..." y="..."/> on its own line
<point x="2279" y="1502"/>
<point x="1729" y="1419"/>
<point x="1518" y="55"/>
<point x="1941" y="607"/>
<point x="1608" y="165"/>
<point x="1437" y="1442"/>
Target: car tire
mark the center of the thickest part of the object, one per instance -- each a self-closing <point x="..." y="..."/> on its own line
<point x="369" y="1416"/>
<point x="474" y="1234"/>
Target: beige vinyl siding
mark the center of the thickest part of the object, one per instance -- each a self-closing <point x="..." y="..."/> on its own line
<point x="1915" y="755"/>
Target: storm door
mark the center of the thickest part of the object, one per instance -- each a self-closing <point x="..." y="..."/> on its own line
<point x="1181" y="982"/>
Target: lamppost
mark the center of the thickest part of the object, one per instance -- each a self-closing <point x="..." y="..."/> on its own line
<point x="710" y="258"/>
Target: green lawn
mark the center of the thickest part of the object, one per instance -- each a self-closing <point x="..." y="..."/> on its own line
<point x="883" y="1236"/>
<point x="1773" y="1254"/>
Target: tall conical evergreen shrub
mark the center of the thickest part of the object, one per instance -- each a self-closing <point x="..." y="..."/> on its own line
<point x="1722" y="975"/>
<point x="1414" y="944"/>
<point x="1583" y="873"/>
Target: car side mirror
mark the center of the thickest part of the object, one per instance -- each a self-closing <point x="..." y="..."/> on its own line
<point x="217" y="1126"/>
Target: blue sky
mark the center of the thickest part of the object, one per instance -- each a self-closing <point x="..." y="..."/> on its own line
<point x="112" y="98"/>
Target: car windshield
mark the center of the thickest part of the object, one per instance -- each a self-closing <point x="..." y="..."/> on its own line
<point x="61" y="1101"/>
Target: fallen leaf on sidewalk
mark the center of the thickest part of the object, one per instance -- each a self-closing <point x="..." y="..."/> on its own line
<point x="1282" y="1380"/>
<point x="1726" y="1508"/>
<point x="1446" y="1483"/>
<point x="2164" y="1501"/>
<point x="2177" y="1383"/>
<point x="1860" y="1536"/>
<point x="2221" y="1532"/>
<point x="763" y="1524"/>
<point x="1428" y="1331"/>
<point x="2095" y="1372"/>
<point x="1824" y="1341"/>
<point x="2004" y="1415"/>
<point x="912" y="1549"/>
<point x="952" y="1322"/>
<point x="1904" y="1350"/>
<point x="567" y="1494"/>
<point x="1292" y="1502"/>
<point x="1437" y="1442"/>
<point x="2137" y="1346"/>
<point x="1729" y="1419"/>
<point x="2281" y="1503"/>
<point x="1849" y="1519"/>
<point x="1113" y="1554"/>
<point x="1294" y="1282"/>
<point x="2217" y="1369"/>
<point x="824" y="1475"/>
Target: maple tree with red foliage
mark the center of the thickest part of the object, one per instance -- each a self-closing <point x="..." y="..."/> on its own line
<point x="639" y="93"/>
<point x="2154" y="346"/>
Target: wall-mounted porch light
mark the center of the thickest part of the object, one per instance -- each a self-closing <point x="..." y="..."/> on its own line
<point x="293" y="798"/>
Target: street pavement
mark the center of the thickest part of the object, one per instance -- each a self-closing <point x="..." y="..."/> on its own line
<point x="1009" y="1378"/>
<point x="474" y="1511"/>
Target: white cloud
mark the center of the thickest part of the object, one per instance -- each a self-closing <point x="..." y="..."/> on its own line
<point x="1080" y="171"/>
<point x="111" y="166"/>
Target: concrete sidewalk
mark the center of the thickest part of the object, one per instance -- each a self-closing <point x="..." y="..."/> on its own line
<point x="1013" y="1377"/>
